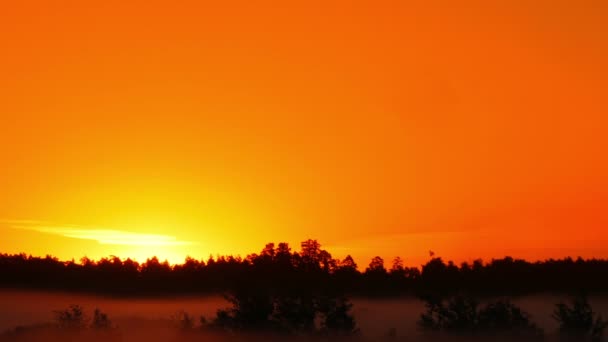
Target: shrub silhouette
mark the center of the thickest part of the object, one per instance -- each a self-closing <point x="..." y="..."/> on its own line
<point x="183" y="320"/>
<point x="75" y="318"/>
<point x="336" y="317"/>
<point x="459" y="315"/>
<point x="100" y="320"/>
<point x="462" y="315"/>
<point x="504" y="317"/>
<point x="286" y="313"/>
<point x="251" y="310"/>
<point x="578" y="321"/>
<point x="72" y="318"/>
<point x="294" y="314"/>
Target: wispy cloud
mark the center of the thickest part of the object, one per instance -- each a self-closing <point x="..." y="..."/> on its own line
<point x="101" y="235"/>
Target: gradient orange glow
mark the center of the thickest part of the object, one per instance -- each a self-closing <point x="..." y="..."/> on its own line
<point x="473" y="129"/>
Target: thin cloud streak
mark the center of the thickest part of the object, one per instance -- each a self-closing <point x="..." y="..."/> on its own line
<point x="101" y="235"/>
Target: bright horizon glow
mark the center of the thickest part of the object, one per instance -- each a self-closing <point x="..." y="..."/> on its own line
<point x="135" y="245"/>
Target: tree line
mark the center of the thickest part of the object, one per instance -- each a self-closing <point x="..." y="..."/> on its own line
<point x="278" y="268"/>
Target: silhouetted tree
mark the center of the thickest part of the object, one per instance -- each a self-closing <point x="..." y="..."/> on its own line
<point x="100" y="320"/>
<point x="397" y="266"/>
<point x="294" y="314"/>
<point x="503" y="317"/>
<point x="458" y="315"/>
<point x="255" y="309"/>
<point x="183" y="320"/>
<point x="376" y="266"/>
<point x="251" y="310"/>
<point x="462" y="315"/>
<point x="337" y="318"/>
<point x="348" y="263"/>
<point x="578" y="321"/>
<point x="72" y="318"/>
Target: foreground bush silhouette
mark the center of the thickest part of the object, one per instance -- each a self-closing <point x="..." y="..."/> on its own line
<point x="462" y="315"/>
<point x="100" y="321"/>
<point x="336" y="317"/>
<point x="578" y="322"/>
<point x="74" y="318"/>
<point x="184" y="321"/>
<point x="250" y="311"/>
<point x="292" y="314"/>
<point x="503" y="316"/>
<point x="71" y="324"/>
<point x="459" y="315"/>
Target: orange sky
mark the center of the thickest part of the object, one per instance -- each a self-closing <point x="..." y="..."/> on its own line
<point x="473" y="129"/>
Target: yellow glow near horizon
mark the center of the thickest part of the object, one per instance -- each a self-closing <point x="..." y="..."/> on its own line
<point x="137" y="246"/>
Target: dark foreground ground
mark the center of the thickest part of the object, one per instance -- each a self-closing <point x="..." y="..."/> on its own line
<point x="27" y="316"/>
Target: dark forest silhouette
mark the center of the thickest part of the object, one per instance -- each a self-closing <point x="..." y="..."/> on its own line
<point x="278" y="268"/>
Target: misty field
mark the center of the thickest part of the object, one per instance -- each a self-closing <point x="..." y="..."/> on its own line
<point x="155" y="319"/>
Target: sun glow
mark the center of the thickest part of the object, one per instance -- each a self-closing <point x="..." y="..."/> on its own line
<point x="123" y="243"/>
<point x="140" y="254"/>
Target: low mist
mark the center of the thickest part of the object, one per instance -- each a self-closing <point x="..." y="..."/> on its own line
<point x="28" y="316"/>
